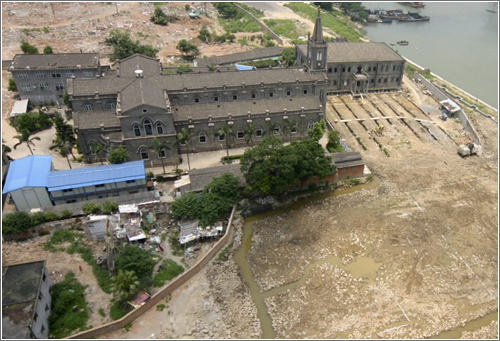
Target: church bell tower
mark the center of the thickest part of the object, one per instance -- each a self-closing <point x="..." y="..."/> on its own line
<point x="316" y="47"/>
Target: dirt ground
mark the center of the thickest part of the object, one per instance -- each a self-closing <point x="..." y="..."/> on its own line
<point x="431" y="228"/>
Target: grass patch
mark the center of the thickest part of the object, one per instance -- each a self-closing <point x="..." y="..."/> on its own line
<point x="101" y="312"/>
<point x="224" y="254"/>
<point x="334" y="20"/>
<point x="176" y="247"/>
<point x="242" y="23"/>
<point x="160" y="307"/>
<point x="170" y="270"/>
<point x="118" y="310"/>
<point x="256" y="12"/>
<point x="410" y="70"/>
<point x="69" y="312"/>
<point x="128" y="326"/>
<point x="386" y="152"/>
<point x="286" y="28"/>
<point x="62" y="236"/>
<point x="429" y="76"/>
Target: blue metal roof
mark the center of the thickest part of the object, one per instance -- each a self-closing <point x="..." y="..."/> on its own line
<point x="95" y="175"/>
<point x="30" y="171"/>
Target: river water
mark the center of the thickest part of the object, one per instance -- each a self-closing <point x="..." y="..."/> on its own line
<point x="459" y="43"/>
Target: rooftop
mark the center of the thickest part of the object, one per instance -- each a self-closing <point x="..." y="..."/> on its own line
<point x="199" y="178"/>
<point x="241" y="108"/>
<point x="148" y="65"/>
<point x="20" y="286"/>
<point x="19" y="107"/>
<point x="140" y="92"/>
<point x="95" y="175"/>
<point x="94" y="119"/>
<point x="347" y="52"/>
<point x="30" y="171"/>
<point x="55" y="61"/>
<point x="267" y="52"/>
<point x="347" y="159"/>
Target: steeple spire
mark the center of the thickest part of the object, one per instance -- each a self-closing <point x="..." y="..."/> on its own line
<point x="318" y="29"/>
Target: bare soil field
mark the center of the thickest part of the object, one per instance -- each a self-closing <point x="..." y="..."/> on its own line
<point x="429" y="232"/>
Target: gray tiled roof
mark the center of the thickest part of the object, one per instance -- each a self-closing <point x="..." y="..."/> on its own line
<point x="128" y="66"/>
<point x="342" y="52"/>
<point x="141" y="91"/>
<point x="56" y="61"/>
<point x="235" y="78"/>
<point x="267" y="52"/>
<point x="241" y="108"/>
<point x="105" y="86"/>
<point x="94" y="119"/>
<point x="199" y="178"/>
<point x="347" y="159"/>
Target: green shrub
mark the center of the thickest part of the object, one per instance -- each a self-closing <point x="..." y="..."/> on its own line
<point x="48" y="50"/>
<point x="91" y="208"/>
<point x="32" y="122"/>
<point x="101" y="312"/>
<point x="16" y="222"/>
<point x="149" y="175"/>
<point x="160" y="307"/>
<point x="27" y="48"/>
<point x="69" y="310"/>
<point x="128" y="326"/>
<point x="205" y="35"/>
<point x="159" y="17"/>
<point x="170" y="270"/>
<point x="45" y="29"/>
<point x="386" y="152"/>
<point x="224" y="254"/>
<point x="117" y="155"/>
<point x="109" y="207"/>
<point x="12" y="85"/>
<point x="184" y="68"/>
<point x="370" y="178"/>
<point x="133" y="258"/>
<point x="50" y="216"/>
<point x="119" y="309"/>
<point x="38" y="218"/>
<point x="66" y="214"/>
<point x="187" y="8"/>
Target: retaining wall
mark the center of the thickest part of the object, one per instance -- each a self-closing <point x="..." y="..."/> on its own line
<point x="159" y="296"/>
<point x="261" y="24"/>
<point x="441" y="97"/>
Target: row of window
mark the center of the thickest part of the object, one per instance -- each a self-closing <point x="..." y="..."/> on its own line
<point x="111" y="105"/>
<point x="148" y="128"/>
<point x="372" y="81"/>
<point x="42" y="86"/>
<point x="370" y="69"/>
<point x="95" y="186"/>
<point x="145" y="153"/>
<point x="55" y="74"/>
<point x="115" y="194"/>
<point x="175" y="101"/>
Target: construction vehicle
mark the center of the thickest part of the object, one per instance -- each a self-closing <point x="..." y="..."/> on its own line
<point x="468" y="149"/>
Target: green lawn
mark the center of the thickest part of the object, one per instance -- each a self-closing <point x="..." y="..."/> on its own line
<point x="170" y="270"/>
<point x="335" y="20"/>
<point x="286" y="28"/>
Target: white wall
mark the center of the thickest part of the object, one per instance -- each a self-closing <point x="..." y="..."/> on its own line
<point x="31" y="197"/>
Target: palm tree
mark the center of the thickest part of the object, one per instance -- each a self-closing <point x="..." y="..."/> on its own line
<point x="25" y="138"/>
<point x="249" y="133"/>
<point x="184" y="137"/>
<point x="97" y="149"/>
<point x="289" y="125"/>
<point x="270" y="127"/>
<point x="159" y="146"/>
<point x="64" y="151"/>
<point x="226" y="131"/>
<point x="125" y="285"/>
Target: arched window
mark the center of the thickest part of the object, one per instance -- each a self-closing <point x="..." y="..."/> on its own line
<point x="144" y="153"/>
<point x="202" y="137"/>
<point x="88" y="107"/>
<point x="162" y="153"/>
<point x="330" y="70"/>
<point x="319" y="56"/>
<point x="310" y="125"/>
<point x="240" y="133"/>
<point x="148" y="127"/>
<point x="137" y="130"/>
<point x="277" y="129"/>
<point x="159" y="128"/>
<point x="222" y="137"/>
<point x="111" y="105"/>
<point x="259" y="131"/>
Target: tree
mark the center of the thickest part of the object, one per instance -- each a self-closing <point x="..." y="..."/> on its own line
<point x="184" y="68"/>
<point x="205" y="35"/>
<point x="327" y="6"/>
<point x="12" y="85"/>
<point x="159" y="17"/>
<point x="65" y="149"/>
<point x="316" y="133"/>
<point x="189" y="206"/>
<point x="16" y="222"/>
<point x="65" y="137"/>
<point x="212" y="68"/>
<point x="226" y="131"/>
<point x="25" y="138"/>
<point x="312" y="161"/>
<point x="184" y="137"/>
<point x="132" y="258"/>
<point x="117" y="155"/>
<point x="27" y="48"/>
<point x="32" y="121"/>
<point x="159" y="146"/>
<point x="226" y="9"/>
<point x="48" y="50"/>
<point x="125" y="285"/>
<point x="289" y="126"/>
<point x="91" y="208"/>
<point x="288" y="56"/>
<point x="97" y="149"/>
<point x="109" y="207"/>
<point x="249" y="133"/>
<point x="123" y="46"/>
<point x="189" y="51"/>
<point x="67" y="100"/>
<point x="334" y="142"/>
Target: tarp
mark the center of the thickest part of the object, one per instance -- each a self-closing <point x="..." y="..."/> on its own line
<point x="19" y="108"/>
<point x="130" y="208"/>
<point x="139" y="299"/>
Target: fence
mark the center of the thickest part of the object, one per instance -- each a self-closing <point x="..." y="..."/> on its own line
<point x="110" y="327"/>
<point x="441" y="97"/>
<point x="261" y="24"/>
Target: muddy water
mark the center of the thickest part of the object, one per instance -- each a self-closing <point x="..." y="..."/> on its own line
<point x="469" y="327"/>
<point x="361" y="267"/>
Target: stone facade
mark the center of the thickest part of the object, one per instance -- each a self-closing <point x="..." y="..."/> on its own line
<point x="43" y="78"/>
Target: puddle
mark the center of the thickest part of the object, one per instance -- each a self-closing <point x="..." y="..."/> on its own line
<point x="469" y="327"/>
<point x="361" y="267"/>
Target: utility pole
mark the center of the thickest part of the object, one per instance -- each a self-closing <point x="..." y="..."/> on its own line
<point x="53" y="12"/>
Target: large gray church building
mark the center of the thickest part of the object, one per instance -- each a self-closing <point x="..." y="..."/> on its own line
<point x="136" y="101"/>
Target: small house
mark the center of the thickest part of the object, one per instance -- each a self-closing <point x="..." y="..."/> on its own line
<point x="349" y="164"/>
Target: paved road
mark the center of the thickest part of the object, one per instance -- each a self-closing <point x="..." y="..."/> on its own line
<point x="268" y="6"/>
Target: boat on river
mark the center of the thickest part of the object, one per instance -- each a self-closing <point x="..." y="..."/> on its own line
<point x="403" y="42"/>
<point x="413" y="4"/>
<point x="412" y="17"/>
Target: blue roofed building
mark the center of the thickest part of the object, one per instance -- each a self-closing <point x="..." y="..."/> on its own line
<point x="27" y="181"/>
<point x="96" y="182"/>
<point x="33" y="183"/>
